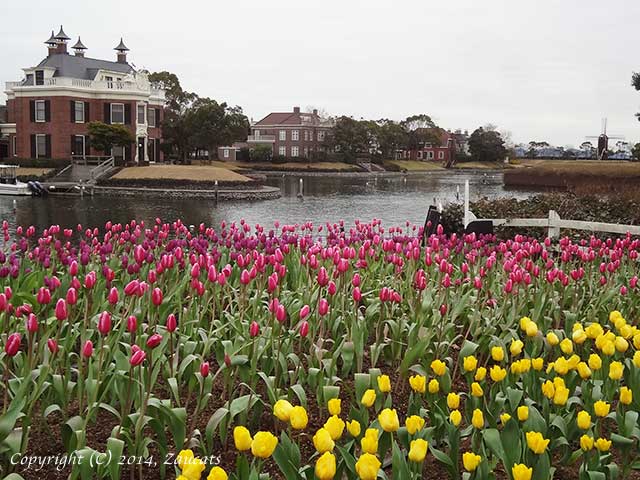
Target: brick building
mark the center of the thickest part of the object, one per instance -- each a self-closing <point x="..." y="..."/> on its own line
<point x="49" y="110"/>
<point x="291" y="134"/>
<point x="444" y="151"/>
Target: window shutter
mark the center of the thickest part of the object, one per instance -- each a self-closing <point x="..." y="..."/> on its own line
<point x="33" y="146"/>
<point x="47" y="110"/>
<point x="107" y="113"/>
<point x="32" y="110"/>
<point x="127" y="153"/>
<point x="87" y="119"/>
<point x="47" y="147"/>
<point x="157" y="117"/>
<point x="73" y="111"/>
<point x="127" y="114"/>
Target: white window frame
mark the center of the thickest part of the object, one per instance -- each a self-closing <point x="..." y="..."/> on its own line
<point x="420" y="155"/>
<point x="84" y="145"/>
<point x="225" y="153"/>
<point x="144" y="114"/>
<point x="282" y="151"/>
<point x="75" y="112"/>
<point x="14" y="143"/>
<point x="295" y="135"/>
<point x="151" y="117"/>
<point x="306" y="152"/>
<point x="306" y="135"/>
<point x="440" y="155"/>
<point x="38" y="153"/>
<point x="320" y="136"/>
<point x="282" y="135"/>
<point x="295" y="151"/>
<point x="256" y="133"/>
<point x="111" y="114"/>
<point x="44" y="111"/>
<point x="430" y="155"/>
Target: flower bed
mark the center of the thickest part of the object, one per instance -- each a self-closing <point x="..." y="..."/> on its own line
<point x="300" y="352"/>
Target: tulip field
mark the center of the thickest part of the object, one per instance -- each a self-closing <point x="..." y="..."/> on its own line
<point x="316" y="352"/>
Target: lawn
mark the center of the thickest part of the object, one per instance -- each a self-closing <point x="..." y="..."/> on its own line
<point x="415" y="165"/>
<point x="32" y="171"/>
<point x="180" y="172"/>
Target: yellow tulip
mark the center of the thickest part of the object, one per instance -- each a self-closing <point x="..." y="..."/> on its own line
<point x="384" y="383"/>
<point x="298" y="418"/>
<point x="497" y="373"/>
<point x="636" y="358"/>
<point x="418" y="450"/>
<point x="414" y="423"/>
<point x="595" y="362"/>
<point x="616" y="369"/>
<point x="388" y="419"/>
<point x="369" y="442"/>
<point x="601" y="408"/>
<point x="186" y="456"/>
<point x="322" y="441"/>
<point x="561" y="366"/>
<point x="521" y="472"/>
<point x="369" y="398"/>
<point x="282" y="410"/>
<point x="477" y="420"/>
<point x="524" y="321"/>
<point x="626" y="396"/>
<point x="561" y="395"/>
<point x="626" y="332"/>
<point x="470" y="363"/>
<point x="583" y="420"/>
<point x="471" y="461"/>
<point x="586" y="443"/>
<point x="603" y="445"/>
<point x="608" y="348"/>
<point x="532" y="329"/>
<point x="367" y="466"/>
<point x="193" y="470"/>
<point x="434" y="386"/>
<point x="418" y="383"/>
<point x="263" y="444"/>
<point x="217" y="473"/>
<point x="497" y="353"/>
<point x="516" y="347"/>
<point x="579" y="336"/>
<point x="523" y="413"/>
<point x="335" y="426"/>
<point x="573" y="361"/>
<point x="326" y="466"/>
<point x="566" y="346"/>
<point x="334" y="406"/>
<point x="453" y="401"/>
<point x="455" y="417"/>
<point x="594" y="330"/>
<point x="438" y="367"/>
<point x="505" y="417"/>
<point x="636" y="342"/>
<point x="476" y="389"/>
<point x="536" y="442"/>
<point x="242" y="438"/>
<point x="548" y="390"/>
<point x="537" y="363"/>
<point x="481" y="372"/>
<point x="354" y="428"/>
<point x="552" y="339"/>
<point x="584" y="371"/>
<point x="614" y="315"/>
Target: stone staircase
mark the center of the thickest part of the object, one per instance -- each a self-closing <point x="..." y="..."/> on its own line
<point x="371" y="167"/>
<point x="84" y="171"/>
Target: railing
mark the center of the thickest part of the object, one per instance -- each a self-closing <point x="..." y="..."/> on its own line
<point x="66" y="82"/>
<point x="261" y="138"/>
<point x="99" y="171"/>
<point x="553" y="222"/>
<point x="89" y="159"/>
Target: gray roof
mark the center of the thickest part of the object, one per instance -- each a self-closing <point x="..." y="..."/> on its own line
<point x="81" y="67"/>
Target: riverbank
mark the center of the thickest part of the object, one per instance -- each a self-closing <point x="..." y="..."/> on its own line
<point x="264" y="192"/>
<point x="572" y="174"/>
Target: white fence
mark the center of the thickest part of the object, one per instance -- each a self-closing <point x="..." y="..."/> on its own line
<point x="553" y="222"/>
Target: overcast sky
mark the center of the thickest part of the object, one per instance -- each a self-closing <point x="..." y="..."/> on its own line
<point x="543" y="69"/>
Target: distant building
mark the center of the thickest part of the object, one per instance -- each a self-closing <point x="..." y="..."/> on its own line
<point x="290" y="134"/>
<point x="444" y="152"/>
<point x="48" y="111"/>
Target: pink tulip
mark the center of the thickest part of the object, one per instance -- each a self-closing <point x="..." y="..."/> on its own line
<point x="443" y="309"/>
<point x="12" y="347"/>
<point x="132" y="323"/>
<point x="3" y="302"/>
<point x="323" y="277"/>
<point x="304" y="329"/>
<point x="8" y="293"/>
<point x="90" y="280"/>
<point x="357" y="294"/>
<point x="132" y="288"/>
<point x="154" y="340"/>
<point x="195" y="270"/>
<point x="156" y="297"/>
<point x="52" y="345"/>
<point x="281" y="314"/>
<point x="623" y="290"/>
<point x="73" y="268"/>
<point x="331" y="288"/>
<point x="43" y="297"/>
<point x="304" y="312"/>
<point x="355" y="281"/>
<point x="254" y="329"/>
<point x="323" y="307"/>
<point x="172" y="323"/>
<point x="32" y="323"/>
<point x="72" y="296"/>
<point x="113" y="296"/>
<point x="87" y="349"/>
<point x="61" y="310"/>
<point x="244" y="277"/>
<point x="104" y="323"/>
<point x="204" y="369"/>
<point x="137" y="356"/>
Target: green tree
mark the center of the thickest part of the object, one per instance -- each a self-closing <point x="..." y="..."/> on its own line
<point x="635" y="152"/>
<point x="391" y="136"/>
<point x="635" y="82"/>
<point x="104" y="137"/>
<point x="261" y="153"/>
<point x="421" y="129"/>
<point x="487" y="146"/>
<point x="351" y="139"/>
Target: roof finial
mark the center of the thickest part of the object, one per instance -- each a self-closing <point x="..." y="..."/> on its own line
<point x="121" y="47"/>
<point x="52" y="39"/>
<point x="61" y="36"/>
<point x="79" y="45"/>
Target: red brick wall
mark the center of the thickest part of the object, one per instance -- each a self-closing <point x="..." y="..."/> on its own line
<point x="60" y="126"/>
<point x="311" y="145"/>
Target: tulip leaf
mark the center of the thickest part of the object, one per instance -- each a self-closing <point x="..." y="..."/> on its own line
<point x="468" y="348"/>
<point x="542" y="468"/>
<point x="283" y="459"/>
<point x="302" y="396"/>
<point x="399" y="464"/>
<point x="349" y="460"/>
<point x="621" y="440"/>
<point x="115" y="447"/>
<point x="491" y="437"/>
<point x="630" y="422"/>
<point x="441" y="457"/>
<point x="596" y="476"/>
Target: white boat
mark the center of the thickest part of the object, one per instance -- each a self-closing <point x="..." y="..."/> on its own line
<point x="9" y="183"/>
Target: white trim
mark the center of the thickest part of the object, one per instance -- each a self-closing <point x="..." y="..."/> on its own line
<point x="44" y="111"/>
<point x="14" y="144"/>
<point x="75" y="111"/>
<point x="111" y="114"/>
<point x="225" y="152"/>
<point x="440" y="155"/>
<point x="151" y="113"/>
<point x="44" y="154"/>
<point x="430" y="155"/>
<point x="282" y="151"/>
<point x="295" y="135"/>
<point x="282" y="135"/>
<point x="295" y="151"/>
<point x="144" y="114"/>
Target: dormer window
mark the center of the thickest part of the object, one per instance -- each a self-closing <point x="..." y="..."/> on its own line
<point x="39" y="77"/>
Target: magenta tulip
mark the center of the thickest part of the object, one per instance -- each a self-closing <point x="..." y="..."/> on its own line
<point x="12" y="347"/>
<point x="132" y="323"/>
<point x="304" y="312"/>
<point x="87" y="349"/>
<point x="43" y="297"/>
<point x="32" y="323"/>
<point x="113" y="296"/>
<point x="72" y="296"/>
<point x="323" y="307"/>
<point x="304" y="329"/>
<point x="61" y="310"/>
<point x="137" y="357"/>
<point x="154" y="340"/>
<point x="204" y="369"/>
<point x="172" y="323"/>
<point x="254" y="329"/>
<point x="104" y="323"/>
<point x="156" y="297"/>
<point x="132" y="288"/>
<point x="52" y="345"/>
<point x="281" y="314"/>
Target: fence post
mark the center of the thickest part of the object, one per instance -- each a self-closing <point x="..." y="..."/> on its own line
<point x="466" y="203"/>
<point x="554" y="228"/>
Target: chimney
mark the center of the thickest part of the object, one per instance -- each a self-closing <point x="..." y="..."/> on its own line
<point x="61" y="40"/>
<point x="79" y="48"/>
<point x="296" y="109"/>
<point x="315" y="112"/>
<point x="122" y="52"/>
<point x="52" y="44"/>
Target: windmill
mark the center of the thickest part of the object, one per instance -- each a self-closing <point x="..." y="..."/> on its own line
<point x="603" y="141"/>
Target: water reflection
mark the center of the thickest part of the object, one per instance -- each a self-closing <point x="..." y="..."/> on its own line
<point x="394" y="200"/>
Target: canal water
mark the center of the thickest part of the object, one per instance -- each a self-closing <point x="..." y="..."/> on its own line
<point x="392" y="199"/>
